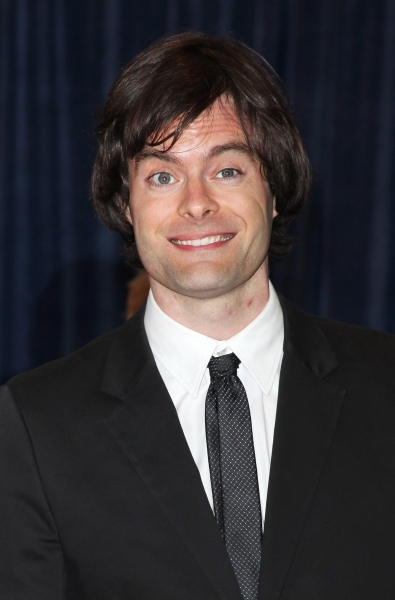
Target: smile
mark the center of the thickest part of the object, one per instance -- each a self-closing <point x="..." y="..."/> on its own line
<point x="212" y="239"/>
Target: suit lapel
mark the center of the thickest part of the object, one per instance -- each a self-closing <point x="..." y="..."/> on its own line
<point x="307" y="415"/>
<point x="147" y="428"/>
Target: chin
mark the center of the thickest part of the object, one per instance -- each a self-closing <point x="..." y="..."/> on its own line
<point x="203" y="287"/>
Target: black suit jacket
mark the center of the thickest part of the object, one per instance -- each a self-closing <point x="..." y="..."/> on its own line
<point x="101" y="499"/>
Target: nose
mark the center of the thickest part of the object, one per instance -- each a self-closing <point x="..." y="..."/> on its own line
<point x="197" y="202"/>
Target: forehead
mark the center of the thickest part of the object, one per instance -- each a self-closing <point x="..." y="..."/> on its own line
<point x="218" y="124"/>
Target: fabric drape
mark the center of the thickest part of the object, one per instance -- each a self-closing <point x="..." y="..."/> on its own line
<point x="62" y="279"/>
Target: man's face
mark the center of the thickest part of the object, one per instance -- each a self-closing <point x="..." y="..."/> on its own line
<point x="202" y="211"/>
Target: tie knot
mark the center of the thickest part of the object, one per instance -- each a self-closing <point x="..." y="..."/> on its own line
<point x="223" y="366"/>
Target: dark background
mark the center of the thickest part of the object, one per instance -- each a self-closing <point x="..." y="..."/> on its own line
<point x="62" y="278"/>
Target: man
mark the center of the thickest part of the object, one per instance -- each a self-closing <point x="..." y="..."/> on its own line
<point x="221" y="444"/>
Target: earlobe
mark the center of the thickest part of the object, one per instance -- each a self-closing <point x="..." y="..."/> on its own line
<point x="128" y="215"/>
<point x="275" y="213"/>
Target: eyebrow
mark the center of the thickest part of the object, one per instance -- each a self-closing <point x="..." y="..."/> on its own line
<point x="172" y="158"/>
<point x="230" y="147"/>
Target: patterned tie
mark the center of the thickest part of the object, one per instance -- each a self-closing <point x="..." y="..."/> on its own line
<point x="233" y="473"/>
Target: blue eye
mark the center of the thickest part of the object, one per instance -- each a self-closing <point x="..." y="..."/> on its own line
<point x="162" y="178"/>
<point x="227" y="173"/>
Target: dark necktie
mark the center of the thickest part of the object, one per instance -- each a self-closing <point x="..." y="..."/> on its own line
<point x="233" y="472"/>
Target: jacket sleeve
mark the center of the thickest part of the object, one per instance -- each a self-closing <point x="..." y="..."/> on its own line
<point x="31" y="560"/>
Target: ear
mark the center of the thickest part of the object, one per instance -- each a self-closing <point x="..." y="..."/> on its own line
<point x="128" y="215"/>
<point x="275" y="213"/>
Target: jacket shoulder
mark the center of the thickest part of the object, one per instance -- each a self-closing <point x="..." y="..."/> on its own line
<point x="344" y="337"/>
<point x="354" y="351"/>
<point x="81" y="358"/>
<point x="366" y="357"/>
<point x="358" y="340"/>
<point x="75" y="374"/>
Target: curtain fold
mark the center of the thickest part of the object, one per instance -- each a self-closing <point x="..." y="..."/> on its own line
<point x="62" y="276"/>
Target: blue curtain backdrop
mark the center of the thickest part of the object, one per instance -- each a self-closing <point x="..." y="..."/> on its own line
<point x="62" y="278"/>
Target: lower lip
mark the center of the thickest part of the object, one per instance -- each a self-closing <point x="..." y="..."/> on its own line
<point x="207" y="247"/>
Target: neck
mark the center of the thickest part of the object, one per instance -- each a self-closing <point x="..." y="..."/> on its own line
<point x="218" y="317"/>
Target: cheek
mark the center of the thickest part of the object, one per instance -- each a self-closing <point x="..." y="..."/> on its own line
<point x="257" y="214"/>
<point x="148" y="221"/>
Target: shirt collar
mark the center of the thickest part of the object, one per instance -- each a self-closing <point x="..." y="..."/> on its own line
<point x="185" y="353"/>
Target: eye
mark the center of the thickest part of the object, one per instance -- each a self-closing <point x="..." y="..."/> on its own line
<point x="227" y="173"/>
<point x="162" y="178"/>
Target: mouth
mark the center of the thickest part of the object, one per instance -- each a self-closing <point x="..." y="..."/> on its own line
<point x="205" y="241"/>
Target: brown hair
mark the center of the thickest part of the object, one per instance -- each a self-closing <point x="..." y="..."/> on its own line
<point x="175" y="80"/>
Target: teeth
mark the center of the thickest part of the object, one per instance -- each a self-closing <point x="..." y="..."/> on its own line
<point x="212" y="239"/>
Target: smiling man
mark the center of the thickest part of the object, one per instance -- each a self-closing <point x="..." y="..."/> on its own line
<point x="221" y="444"/>
<point x="201" y="212"/>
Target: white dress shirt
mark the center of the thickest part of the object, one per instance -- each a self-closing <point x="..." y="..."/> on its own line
<point x="182" y="356"/>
